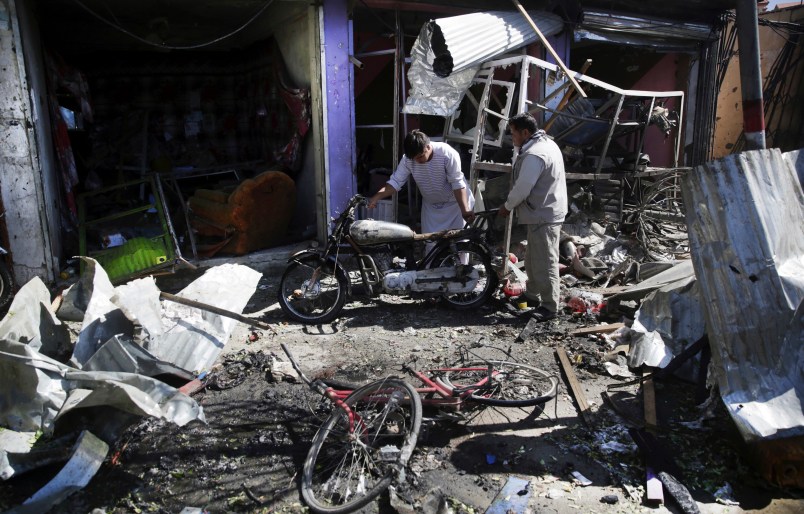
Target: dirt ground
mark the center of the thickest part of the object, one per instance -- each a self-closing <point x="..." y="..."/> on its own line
<point x="249" y="454"/>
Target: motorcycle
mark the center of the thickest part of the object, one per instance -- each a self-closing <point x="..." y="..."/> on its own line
<point x="380" y="255"/>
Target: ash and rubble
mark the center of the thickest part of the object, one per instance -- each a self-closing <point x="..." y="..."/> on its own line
<point x="238" y="439"/>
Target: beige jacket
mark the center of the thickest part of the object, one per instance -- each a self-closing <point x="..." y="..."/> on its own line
<point x="539" y="194"/>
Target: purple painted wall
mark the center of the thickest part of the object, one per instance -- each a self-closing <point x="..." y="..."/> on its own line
<point x="339" y="104"/>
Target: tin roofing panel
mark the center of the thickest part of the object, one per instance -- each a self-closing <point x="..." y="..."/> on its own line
<point x="749" y="262"/>
<point x="449" y="51"/>
<point x="460" y="42"/>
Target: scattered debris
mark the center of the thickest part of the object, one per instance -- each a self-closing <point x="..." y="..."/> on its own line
<point x="580" y="479"/>
<point x="611" y="499"/>
<point x="513" y="497"/>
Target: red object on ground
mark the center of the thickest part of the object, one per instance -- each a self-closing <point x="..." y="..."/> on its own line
<point x="578" y="304"/>
<point x="513" y="289"/>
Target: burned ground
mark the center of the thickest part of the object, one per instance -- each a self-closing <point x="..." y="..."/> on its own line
<point x="249" y="454"/>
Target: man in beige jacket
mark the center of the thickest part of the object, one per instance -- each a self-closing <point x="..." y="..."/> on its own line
<point x="539" y="196"/>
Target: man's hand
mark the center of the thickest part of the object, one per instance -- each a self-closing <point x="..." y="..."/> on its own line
<point x="468" y="216"/>
<point x="503" y="212"/>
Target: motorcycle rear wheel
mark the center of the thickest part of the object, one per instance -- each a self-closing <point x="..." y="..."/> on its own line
<point x="312" y="303"/>
<point x="479" y="259"/>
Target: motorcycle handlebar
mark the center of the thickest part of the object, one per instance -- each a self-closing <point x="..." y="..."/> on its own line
<point x="482" y="217"/>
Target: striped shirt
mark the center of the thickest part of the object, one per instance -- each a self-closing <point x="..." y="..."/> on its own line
<point x="436" y="178"/>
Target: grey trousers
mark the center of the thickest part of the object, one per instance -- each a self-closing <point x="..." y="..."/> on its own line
<point x="541" y="264"/>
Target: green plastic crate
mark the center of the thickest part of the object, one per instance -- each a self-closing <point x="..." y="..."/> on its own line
<point x="136" y="256"/>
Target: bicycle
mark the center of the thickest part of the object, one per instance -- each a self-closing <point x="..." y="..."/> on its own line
<point x="369" y="437"/>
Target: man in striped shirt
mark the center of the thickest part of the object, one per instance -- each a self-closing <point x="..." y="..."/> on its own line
<point x="447" y="202"/>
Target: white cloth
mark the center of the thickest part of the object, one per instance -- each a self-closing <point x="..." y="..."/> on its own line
<point x="437" y="179"/>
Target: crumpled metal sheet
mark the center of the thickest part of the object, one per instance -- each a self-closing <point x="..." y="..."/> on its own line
<point x="678" y="275"/>
<point x="748" y="255"/>
<point x="103" y="318"/>
<point x="449" y="51"/>
<point x="30" y="320"/>
<point x="193" y="339"/>
<point x="34" y="391"/>
<point x="120" y="353"/>
<point x="88" y="455"/>
<point x="184" y="336"/>
<point x="668" y="321"/>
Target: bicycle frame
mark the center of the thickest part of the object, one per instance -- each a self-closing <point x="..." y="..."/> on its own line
<point x="445" y="396"/>
<point x="354" y="457"/>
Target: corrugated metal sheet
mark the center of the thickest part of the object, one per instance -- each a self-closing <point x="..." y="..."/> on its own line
<point x="744" y="216"/>
<point x="796" y="160"/>
<point x="449" y="51"/>
<point x="460" y="42"/>
<point x="622" y="24"/>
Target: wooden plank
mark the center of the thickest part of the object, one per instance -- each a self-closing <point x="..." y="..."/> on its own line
<point x="608" y="291"/>
<point x="649" y="398"/>
<point x="513" y="497"/>
<point x="575" y="387"/>
<point x="653" y="486"/>
<point x="597" y="329"/>
<point x="654" y="492"/>
<point x="546" y="44"/>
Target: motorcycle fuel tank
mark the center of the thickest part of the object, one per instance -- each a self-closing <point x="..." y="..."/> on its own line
<point x="369" y="232"/>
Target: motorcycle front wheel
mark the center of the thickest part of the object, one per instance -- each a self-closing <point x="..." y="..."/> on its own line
<point x="310" y="291"/>
<point x="476" y="256"/>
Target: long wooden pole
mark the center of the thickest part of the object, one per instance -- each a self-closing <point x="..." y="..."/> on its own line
<point x="217" y="310"/>
<point x="550" y="49"/>
<point x="565" y="99"/>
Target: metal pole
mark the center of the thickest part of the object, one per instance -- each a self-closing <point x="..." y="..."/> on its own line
<point x="750" y="74"/>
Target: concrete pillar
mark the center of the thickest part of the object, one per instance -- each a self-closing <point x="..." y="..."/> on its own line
<point x="338" y="103"/>
<point x="27" y="195"/>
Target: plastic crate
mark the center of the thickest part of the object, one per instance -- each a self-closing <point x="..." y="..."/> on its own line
<point x="383" y="212"/>
<point x="135" y="256"/>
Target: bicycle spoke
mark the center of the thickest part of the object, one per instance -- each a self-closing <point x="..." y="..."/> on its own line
<point x="508" y="384"/>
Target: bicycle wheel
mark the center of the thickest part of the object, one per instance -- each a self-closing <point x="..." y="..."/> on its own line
<point x="346" y="470"/>
<point x="308" y="301"/>
<point x="511" y="384"/>
<point x="475" y="256"/>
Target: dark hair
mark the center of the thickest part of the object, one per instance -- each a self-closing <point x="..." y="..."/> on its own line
<point x="415" y="143"/>
<point x="523" y="121"/>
